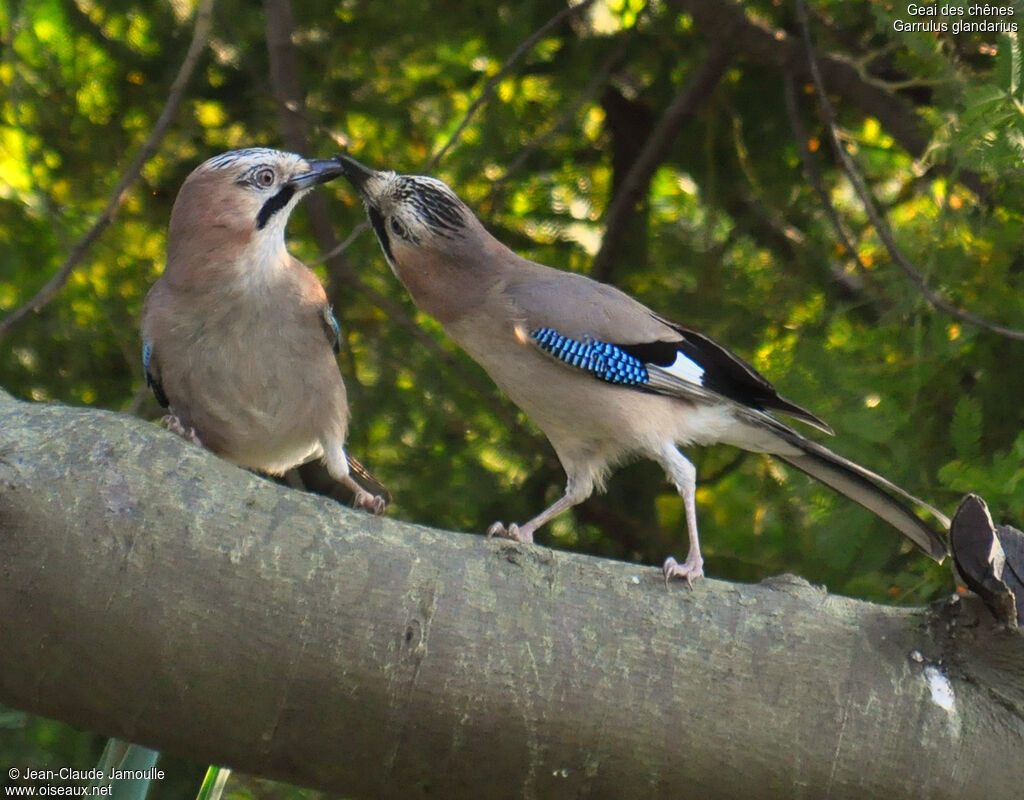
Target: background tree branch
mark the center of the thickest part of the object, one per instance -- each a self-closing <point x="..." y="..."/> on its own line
<point x="287" y="87"/>
<point x="878" y="219"/>
<point x="170" y="598"/>
<point x="634" y="185"/>
<point x="200" y="36"/>
<point x="762" y="44"/>
<point x="487" y="92"/>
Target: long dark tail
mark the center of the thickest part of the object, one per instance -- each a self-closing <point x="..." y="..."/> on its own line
<point x="367" y="480"/>
<point x="870" y="490"/>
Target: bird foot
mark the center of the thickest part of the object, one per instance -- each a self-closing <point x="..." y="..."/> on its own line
<point x="188" y="434"/>
<point x="511" y="531"/>
<point x="373" y="503"/>
<point x="689" y="570"/>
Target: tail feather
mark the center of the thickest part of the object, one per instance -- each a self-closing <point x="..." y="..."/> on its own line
<point x="767" y="434"/>
<point x="869" y="490"/>
<point x="367" y="480"/>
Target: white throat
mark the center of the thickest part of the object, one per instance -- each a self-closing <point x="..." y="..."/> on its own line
<point x="267" y="254"/>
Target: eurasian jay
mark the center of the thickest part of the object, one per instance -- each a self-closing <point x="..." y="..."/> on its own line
<point x="238" y="338"/>
<point x="604" y="377"/>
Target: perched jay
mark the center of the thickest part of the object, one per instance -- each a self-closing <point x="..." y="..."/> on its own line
<point x="238" y="339"/>
<point x="604" y="377"/>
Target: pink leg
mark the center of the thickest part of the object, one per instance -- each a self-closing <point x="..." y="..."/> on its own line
<point x="373" y="503"/>
<point x="188" y="434"/>
<point x="337" y="466"/>
<point x="684" y="475"/>
<point x="575" y="493"/>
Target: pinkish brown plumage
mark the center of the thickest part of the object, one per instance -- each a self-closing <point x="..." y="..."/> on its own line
<point x="239" y="340"/>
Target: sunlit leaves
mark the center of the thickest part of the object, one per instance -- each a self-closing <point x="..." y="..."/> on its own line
<point x="614" y="15"/>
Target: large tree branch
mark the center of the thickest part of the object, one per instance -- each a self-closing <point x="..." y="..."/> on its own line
<point x="167" y="597"/>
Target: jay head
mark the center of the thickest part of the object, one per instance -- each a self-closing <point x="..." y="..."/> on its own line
<point x="604" y="377"/>
<point x="431" y="239"/>
<point x="232" y="210"/>
<point x="239" y="341"/>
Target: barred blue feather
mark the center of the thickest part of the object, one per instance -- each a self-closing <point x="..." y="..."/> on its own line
<point x="151" y="380"/>
<point x="604" y="360"/>
<point x="331" y="329"/>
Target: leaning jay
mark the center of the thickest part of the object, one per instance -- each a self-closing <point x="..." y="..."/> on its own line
<point x="604" y="377"/>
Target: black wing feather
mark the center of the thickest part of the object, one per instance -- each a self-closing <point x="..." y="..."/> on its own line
<point x="725" y="373"/>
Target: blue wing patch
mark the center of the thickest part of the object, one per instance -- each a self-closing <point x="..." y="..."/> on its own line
<point x="331" y="328"/>
<point x="151" y="381"/>
<point x="692" y="366"/>
<point x="603" y="360"/>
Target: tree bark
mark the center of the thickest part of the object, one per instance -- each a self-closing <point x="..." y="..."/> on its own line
<point x="150" y="591"/>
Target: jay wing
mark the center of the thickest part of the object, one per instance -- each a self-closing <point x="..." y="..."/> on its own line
<point x="671" y="368"/>
<point x="721" y="372"/>
<point x="693" y="366"/>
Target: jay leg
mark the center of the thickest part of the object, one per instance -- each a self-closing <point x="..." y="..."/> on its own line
<point x="174" y="426"/>
<point x="337" y="466"/>
<point x="684" y="475"/>
<point x="373" y="503"/>
<point x="575" y="493"/>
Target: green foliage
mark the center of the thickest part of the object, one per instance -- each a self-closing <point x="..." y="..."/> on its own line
<point x="992" y="120"/>
<point x="732" y="238"/>
<point x="965" y="431"/>
<point x="213" y="784"/>
<point x="1000" y="475"/>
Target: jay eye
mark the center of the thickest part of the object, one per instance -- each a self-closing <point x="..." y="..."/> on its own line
<point x="397" y="227"/>
<point x="264" y="178"/>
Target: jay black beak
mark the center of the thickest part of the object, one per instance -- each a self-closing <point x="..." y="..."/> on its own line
<point x="320" y="171"/>
<point x="356" y="173"/>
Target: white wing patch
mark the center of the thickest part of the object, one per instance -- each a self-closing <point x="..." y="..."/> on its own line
<point x="687" y="369"/>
